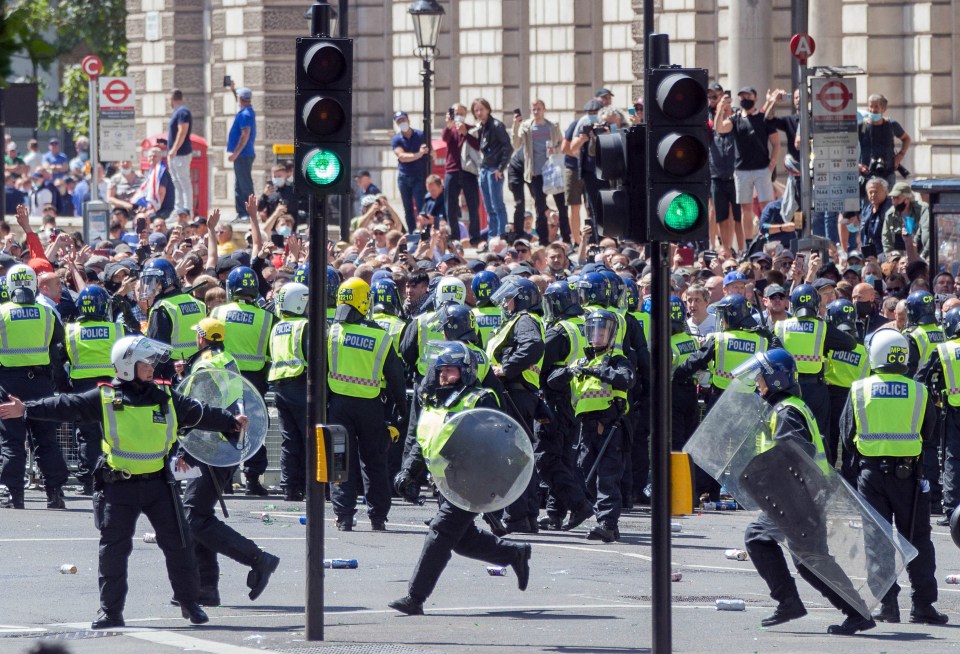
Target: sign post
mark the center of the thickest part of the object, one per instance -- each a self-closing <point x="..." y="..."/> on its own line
<point x="801" y="47"/>
<point x="96" y="213"/>
<point x="836" y="185"/>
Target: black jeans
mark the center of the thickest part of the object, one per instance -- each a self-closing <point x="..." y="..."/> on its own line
<point x="453" y="183"/>
<point x="369" y="441"/>
<point x="604" y="488"/>
<point x="540" y="202"/>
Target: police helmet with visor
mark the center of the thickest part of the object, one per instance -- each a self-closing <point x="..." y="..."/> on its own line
<point x="131" y="350"/>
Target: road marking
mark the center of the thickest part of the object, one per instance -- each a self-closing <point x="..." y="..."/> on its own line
<point x="15" y="629"/>
<point x="189" y="643"/>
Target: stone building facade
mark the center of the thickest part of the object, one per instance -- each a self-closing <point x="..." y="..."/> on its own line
<point x="512" y="51"/>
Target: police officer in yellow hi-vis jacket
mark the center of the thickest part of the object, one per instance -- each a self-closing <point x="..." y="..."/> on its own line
<point x="247" y="339"/>
<point x="886" y="422"/>
<point x="172" y="312"/>
<point x="360" y="357"/>
<point x="140" y="418"/>
<point x="288" y="380"/>
<point x="30" y="358"/>
<point x="89" y="342"/>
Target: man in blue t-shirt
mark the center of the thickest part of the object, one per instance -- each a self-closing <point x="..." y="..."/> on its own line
<point x="240" y="142"/>
<point x="413" y="157"/>
<point x="55" y="161"/>
<point x="180" y="152"/>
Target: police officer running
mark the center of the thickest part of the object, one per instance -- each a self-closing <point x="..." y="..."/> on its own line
<point x="886" y="421"/>
<point x="599" y="385"/>
<point x="775" y="374"/>
<point x="140" y="419"/>
<point x="941" y="375"/>
<point x="808" y="338"/>
<point x="360" y="358"/>
<point x="288" y="380"/>
<point x="31" y="346"/>
<point x="89" y="342"/>
<point x="248" y="329"/>
<point x="451" y="389"/>
<point x="201" y="494"/>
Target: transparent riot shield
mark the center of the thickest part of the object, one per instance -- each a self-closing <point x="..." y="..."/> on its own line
<point x="824" y="523"/>
<point x="485" y="461"/>
<point x="225" y="389"/>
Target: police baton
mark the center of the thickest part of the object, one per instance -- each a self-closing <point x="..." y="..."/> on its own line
<point x="603" y="449"/>
<point x="177" y="511"/>
<point x="216" y="487"/>
<point x="516" y="412"/>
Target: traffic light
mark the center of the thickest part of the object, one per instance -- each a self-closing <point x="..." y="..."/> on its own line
<point x="621" y="161"/>
<point x="324" y="118"/>
<point x="677" y="155"/>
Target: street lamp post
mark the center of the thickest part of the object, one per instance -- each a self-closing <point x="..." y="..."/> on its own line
<point x="427" y="16"/>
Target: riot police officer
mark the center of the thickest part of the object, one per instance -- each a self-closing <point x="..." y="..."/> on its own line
<point x="599" y="384"/>
<point x="248" y="329"/>
<point x="775" y="374"/>
<point x="210" y="535"/>
<point x="842" y="369"/>
<point x="556" y="444"/>
<point x="387" y="308"/>
<point x="941" y="375"/>
<point x="173" y="313"/>
<point x="451" y="389"/>
<point x="808" y="338"/>
<point x="516" y="353"/>
<point x="485" y="283"/>
<point x="288" y="380"/>
<point x="360" y="358"/>
<point x="885" y="422"/>
<point x="31" y="366"/>
<point x="140" y="418"/>
<point x="89" y="342"/>
<point x="458" y="323"/>
<point x="682" y="346"/>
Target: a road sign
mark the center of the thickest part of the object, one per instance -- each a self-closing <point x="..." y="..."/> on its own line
<point x="802" y="47"/>
<point x="92" y="66"/>
<point x="835" y="145"/>
<point x="118" y="112"/>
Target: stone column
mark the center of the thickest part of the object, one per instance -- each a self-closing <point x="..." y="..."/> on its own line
<point x="825" y="25"/>
<point x="751" y="45"/>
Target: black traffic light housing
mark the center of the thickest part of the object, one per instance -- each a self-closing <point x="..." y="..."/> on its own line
<point x="677" y="154"/>
<point x="621" y="159"/>
<point x="323" y="120"/>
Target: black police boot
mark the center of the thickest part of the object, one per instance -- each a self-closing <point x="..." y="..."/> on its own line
<point x="519" y="527"/>
<point x="602" y="532"/>
<point x="944" y="521"/>
<point x="192" y="612"/>
<point x="786" y="611"/>
<point x="853" y="624"/>
<point x="345" y="524"/>
<point x="577" y="517"/>
<point x="107" y="620"/>
<point x="14" y="499"/>
<point x="888" y="613"/>
<point x="407" y="605"/>
<point x="927" y="614"/>
<point x="254" y="487"/>
<point x="86" y="488"/>
<point x="378" y="524"/>
<point x="55" y="498"/>
<point x="209" y="596"/>
<point x="521" y="566"/>
<point x="293" y="495"/>
<point x="259" y="575"/>
<point x="549" y="523"/>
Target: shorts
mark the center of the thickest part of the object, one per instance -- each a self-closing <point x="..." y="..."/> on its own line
<point x="723" y="194"/>
<point x="747" y="180"/>
<point x="572" y="187"/>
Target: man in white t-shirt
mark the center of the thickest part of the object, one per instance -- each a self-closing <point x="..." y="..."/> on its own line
<point x="701" y="323"/>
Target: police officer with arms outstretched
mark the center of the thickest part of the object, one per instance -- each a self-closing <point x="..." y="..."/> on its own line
<point x="211" y="536"/>
<point x="360" y="358"/>
<point x="89" y="342"/>
<point x="247" y="337"/>
<point x="885" y="423"/>
<point x="140" y="418"/>
<point x="288" y="380"/>
<point x="775" y="374"/>
<point x="31" y="366"/>
<point x="451" y="388"/>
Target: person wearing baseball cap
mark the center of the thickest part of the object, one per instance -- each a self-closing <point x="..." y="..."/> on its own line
<point x="908" y="213"/>
<point x="240" y="144"/>
<point x="755" y="161"/>
<point x="604" y="95"/>
<point x="735" y="283"/>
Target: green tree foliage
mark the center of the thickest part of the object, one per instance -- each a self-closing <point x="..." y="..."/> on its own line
<point x="65" y="30"/>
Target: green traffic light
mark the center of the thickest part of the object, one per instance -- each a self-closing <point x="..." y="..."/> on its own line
<point x="682" y="211"/>
<point x="322" y="167"/>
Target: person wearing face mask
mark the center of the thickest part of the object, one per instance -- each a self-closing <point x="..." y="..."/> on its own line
<point x="461" y="171"/>
<point x="865" y="304"/>
<point x="413" y="157"/>
<point x="877" y="133"/>
<point x="123" y="186"/>
<point x="908" y="218"/>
